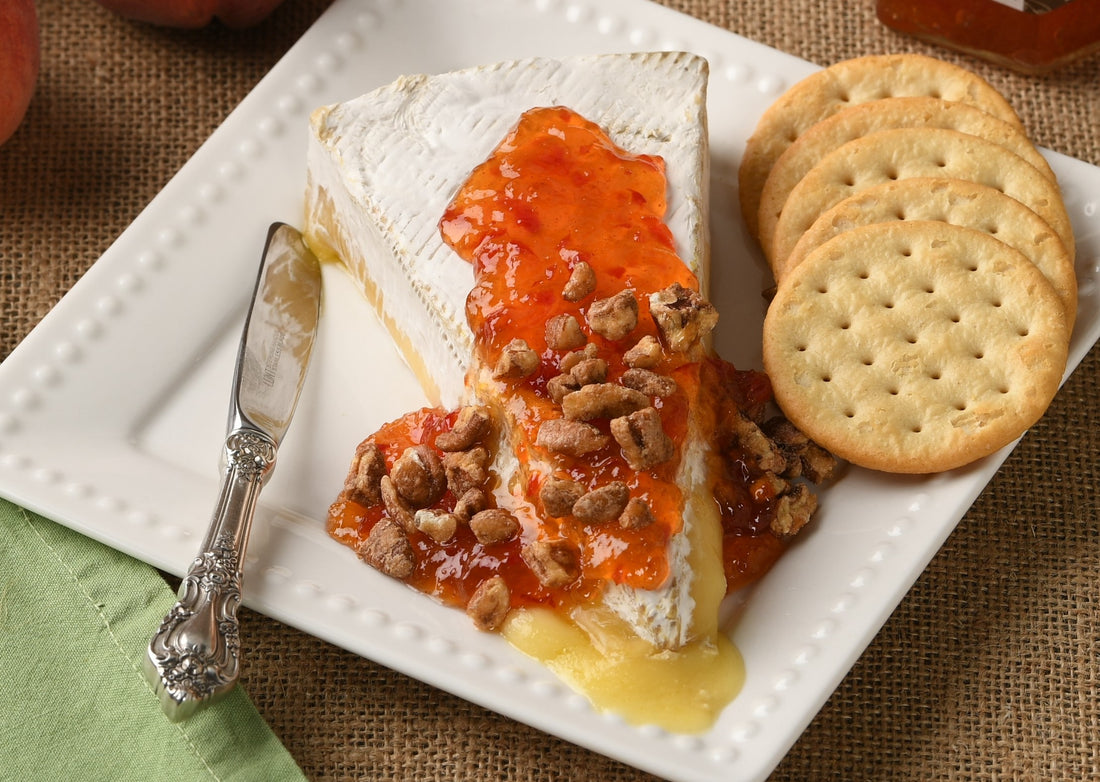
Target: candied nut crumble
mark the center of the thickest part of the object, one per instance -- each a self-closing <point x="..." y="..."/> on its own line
<point x="418" y="476"/>
<point x="563" y="332"/>
<point x="645" y="354"/>
<point x="602" y="504"/>
<point x="636" y="514"/>
<point x="582" y="281"/>
<point x="804" y="457"/>
<point x="440" y="526"/>
<point x="367" y="468"/>
<point x="387" y="549"/>
<point x="466" y="470"/>
<point x="555" y="563"/>
<point x="561" y="385"/>
<point x="683" y="316"/>
<point x="575" y="438"/>
<point x="793" y="511"/>
<point x="589" y="371"/>
<point x="594" y="385"/>
<point x="558" y="495"/>
<point x="642" y="439"/>
<point x="610" y="406"/>
<point x="602" y="400"/>
<point x="614" y="317"/>
<point x="517" y="360"/>
<point x="768" y="455"/>
<point x="494" y="525"/>
<point x="490" y="603"/>
<point x="471" y="502"/>
<point x="471" y="426"/>
<point x="572" y="358"/>
<point x="398" y="509"/>
<point x="648" y="382"/>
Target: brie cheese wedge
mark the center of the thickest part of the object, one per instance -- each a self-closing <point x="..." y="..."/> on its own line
<point x="382" y="169"/>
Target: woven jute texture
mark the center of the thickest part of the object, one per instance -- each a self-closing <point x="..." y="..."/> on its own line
<point x="988" y="669"/>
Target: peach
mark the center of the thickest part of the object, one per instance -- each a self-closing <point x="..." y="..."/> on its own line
<point x="236" y="14"/>
<point x="19" y="61"/>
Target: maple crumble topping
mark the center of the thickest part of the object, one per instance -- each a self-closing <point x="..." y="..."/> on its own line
<point x="592" y="370"/>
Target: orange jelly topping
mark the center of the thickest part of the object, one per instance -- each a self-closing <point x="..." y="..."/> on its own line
<point x="557" y="191"/>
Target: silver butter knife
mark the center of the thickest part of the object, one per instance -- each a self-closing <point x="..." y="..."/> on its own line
<point x="194" y="657"/>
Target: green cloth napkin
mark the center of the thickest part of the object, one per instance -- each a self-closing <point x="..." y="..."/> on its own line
<point x="75" y="619"/>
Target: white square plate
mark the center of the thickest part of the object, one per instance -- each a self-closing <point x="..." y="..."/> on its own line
<point x="112" y="410"/>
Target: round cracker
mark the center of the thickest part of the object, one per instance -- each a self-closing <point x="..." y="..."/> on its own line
<point x="914" y="347"/>
<point x="905" y="153"/>
<point x="857" y="121"/>
<point x="846" y="83"/>
<point x="950" y="201"/>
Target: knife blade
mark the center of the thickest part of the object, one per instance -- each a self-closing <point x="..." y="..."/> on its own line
<point x="193" y="658"/>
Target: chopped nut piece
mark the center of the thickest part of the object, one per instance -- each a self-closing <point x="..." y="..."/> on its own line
<point x="784" y="433"/>
<point x="386" y="548"/>
<point x="602" y="504"/>
<point x="804" y="456"/>
<point x="367" y="468"/>
<point x="752" y="438"/>
<point x="489" y="604"/>
<point x="396" y="506"/>
<point x="573" y="438"/>
<point x="555" y="563"/>
<point x="636" y="515"/>
<point x="645" y="354"/>
<point x="438" y="525"/>
<point x="466" y="469"/>
<point x="602" y="400"/>
<point x="770" y="484"/>
<point x="570" y="360"/>
<point x="614" y="317"/>
<point x="559" y="386"/>
<point x="589" y="371"/>
<point x="418" y="476"/>
<point x="470" y="504"/>
<point x="648" y="382"/>
<point x="517" y="360"/>
<point x="494" y="525"/>
<point x="793" y="511"/>
<point x="558" y="496"/>
<point x="471" y="425"/>
<point x="818" y="464"/>
<point x="683" y="316"/>
<point x="643" y="439"/>
<point x="582" y="281"/>
<point x="563" y="332"/>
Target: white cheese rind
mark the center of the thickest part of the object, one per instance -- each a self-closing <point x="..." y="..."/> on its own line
<point x="382" y="168"/>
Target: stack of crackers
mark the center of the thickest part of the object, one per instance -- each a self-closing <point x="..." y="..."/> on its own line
<point x="923" y="259"/>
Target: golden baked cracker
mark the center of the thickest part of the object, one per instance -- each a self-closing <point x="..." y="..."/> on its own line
<point x="847" y="83"/>
<point x="865" y="118"/>
<point x="891" y="155"/>
<point x="914" y="347"/>
<point x="952" y="201"/>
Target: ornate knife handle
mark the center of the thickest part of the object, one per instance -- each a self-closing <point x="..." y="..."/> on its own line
<point x="194" y="657"/>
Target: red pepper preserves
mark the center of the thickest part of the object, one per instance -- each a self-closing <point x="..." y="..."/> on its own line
<point x="557" y="192"/>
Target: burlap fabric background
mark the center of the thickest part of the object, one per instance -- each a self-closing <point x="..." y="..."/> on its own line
<point x="989" y="668"/>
